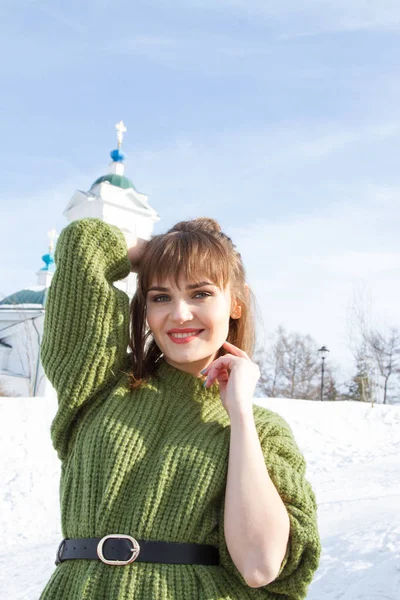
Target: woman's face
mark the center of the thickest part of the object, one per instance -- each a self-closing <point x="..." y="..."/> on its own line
<point x="200" y="309"/>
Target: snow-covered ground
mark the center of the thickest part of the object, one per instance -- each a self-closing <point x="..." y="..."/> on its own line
<point x="353" y="457"/>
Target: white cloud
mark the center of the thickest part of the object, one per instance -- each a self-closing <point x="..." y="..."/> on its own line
<point x="320" y="141"/>
<point x="143" y="43"/>
<point x="312" y="16"/>
<point x="357" y="264"/>
<point x="205" y="52"/>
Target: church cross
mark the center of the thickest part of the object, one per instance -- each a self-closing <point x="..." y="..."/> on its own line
<point x="52" y="236"/>
<point x="121" y="129"/>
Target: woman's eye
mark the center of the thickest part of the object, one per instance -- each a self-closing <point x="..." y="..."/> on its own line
<point x="201" y="294"/>
<point x="157" y="298"/>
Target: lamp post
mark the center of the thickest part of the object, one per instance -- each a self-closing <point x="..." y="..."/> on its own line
<point x="324" y="352"/>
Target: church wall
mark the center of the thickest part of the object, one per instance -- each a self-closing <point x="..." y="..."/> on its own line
<point x="14" y="386"/>
<point x="20" y="369"/>
<point x="92" y="209"/>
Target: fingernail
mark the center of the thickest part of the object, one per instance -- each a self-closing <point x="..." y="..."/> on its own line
<point x="204" y="384"/>
<point x="204" y="370"/>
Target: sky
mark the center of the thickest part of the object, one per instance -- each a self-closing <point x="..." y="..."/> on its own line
<point x="279" y="119"/>
<point x="351" y="451"/>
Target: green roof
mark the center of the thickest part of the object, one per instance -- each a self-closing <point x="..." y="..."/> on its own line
<point x="118" y="180"/>
<point x="25" y="297"/>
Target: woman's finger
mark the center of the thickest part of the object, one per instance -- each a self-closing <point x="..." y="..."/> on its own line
<point x="225" y="362"/>
<point x="235" y="350"/>
<point x="223" y="375"/>
<point x="231" y="348"/>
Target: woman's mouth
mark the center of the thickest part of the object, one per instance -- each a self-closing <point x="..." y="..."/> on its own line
<point x="184" y="338"/>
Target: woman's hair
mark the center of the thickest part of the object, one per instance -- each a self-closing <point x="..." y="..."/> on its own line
<point x="195" y="249"/>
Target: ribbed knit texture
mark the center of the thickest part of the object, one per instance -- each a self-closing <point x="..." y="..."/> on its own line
<point x="152" y="462"/>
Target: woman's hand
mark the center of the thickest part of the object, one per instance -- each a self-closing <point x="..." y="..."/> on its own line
<point x="237" y="377"/>
<point x="136" y="246"/>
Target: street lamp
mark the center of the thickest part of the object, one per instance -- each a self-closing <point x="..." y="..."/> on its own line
<point x="324" y="352"/>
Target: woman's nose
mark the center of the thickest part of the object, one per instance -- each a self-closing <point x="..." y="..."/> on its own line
<point x="181" y="311"/>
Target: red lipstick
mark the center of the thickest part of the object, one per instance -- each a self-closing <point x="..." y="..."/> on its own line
<point x="183" y="340"/>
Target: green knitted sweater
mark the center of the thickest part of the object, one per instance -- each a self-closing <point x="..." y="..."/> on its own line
<point x="152" y="462"/>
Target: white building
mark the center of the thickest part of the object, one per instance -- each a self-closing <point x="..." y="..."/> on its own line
<point x="112" y="198"/>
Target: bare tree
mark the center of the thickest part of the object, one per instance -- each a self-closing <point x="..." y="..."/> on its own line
<point x="275" y="362"/>
<point x="359" y="321"/>
<point x="376" y="351"/>
<point x="360" y="387"/>
<point x="290" y="368"/>
<point x="384" y="349"/>
<point x="271" y="363"/>
<point x="263" y="384"/>
<point x="330" y="386"/>
<point x="301" y="366"/>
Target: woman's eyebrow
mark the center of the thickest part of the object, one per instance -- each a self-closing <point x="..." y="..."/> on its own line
<point x="191" y="286"/>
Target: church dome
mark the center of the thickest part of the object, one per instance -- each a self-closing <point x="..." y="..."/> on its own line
<point x="116" y="175"/>
<point x="118" y="180"/>
<point x="25" y="297"/>
<point x="35" y="295"/>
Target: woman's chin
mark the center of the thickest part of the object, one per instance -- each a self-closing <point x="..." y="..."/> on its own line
<point x="186" y="358"/>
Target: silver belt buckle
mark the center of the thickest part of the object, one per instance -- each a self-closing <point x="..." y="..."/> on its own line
<point x="135" y="549"/>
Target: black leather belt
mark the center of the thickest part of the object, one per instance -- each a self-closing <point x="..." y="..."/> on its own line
<point x="121" y="549"/>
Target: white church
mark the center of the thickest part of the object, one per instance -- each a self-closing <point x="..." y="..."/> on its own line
<point x="112" y="198"/>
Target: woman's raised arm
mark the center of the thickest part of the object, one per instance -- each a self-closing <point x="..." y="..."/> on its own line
<point x="86" y="327"/>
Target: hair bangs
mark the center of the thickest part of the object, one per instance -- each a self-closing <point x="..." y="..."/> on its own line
<point x="194" y="256"/>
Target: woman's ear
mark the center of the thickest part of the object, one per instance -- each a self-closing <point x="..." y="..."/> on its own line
<point x="236" y="311"/>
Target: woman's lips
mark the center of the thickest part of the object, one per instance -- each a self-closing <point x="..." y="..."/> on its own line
<point x="184" y="340"/>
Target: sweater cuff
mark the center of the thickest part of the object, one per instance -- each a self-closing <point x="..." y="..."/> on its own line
<point x="122" y="267"/>
<point x="286" y="557"/>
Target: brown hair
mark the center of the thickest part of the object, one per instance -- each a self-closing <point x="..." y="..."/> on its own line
<point x="193" y="249"/>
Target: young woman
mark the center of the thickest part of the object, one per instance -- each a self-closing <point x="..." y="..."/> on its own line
<point x="174" y="486"/>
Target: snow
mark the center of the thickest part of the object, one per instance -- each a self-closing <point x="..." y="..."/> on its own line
<point x="352" y="452"/>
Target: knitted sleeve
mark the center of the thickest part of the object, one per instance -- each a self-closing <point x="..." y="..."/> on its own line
<point x="286" y="467"/>
<point x="86" y="326"/>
